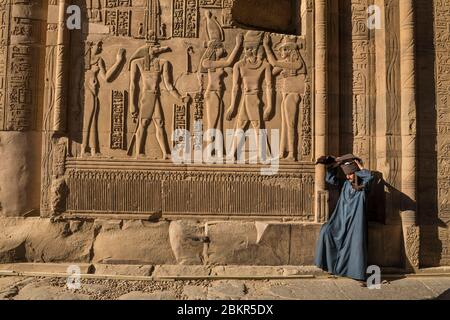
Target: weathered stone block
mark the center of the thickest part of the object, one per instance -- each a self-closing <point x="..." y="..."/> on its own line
<point x="124" y="270"/>
<point x="385" y="245"/>
<point x="303" y="243"/>
<point x="187" y="240"/>
<point x="44" y="241"/>
<point x="20" y="162"/>
<point x="136" y="243"/>
<point x="248" y="243"/>
<point x="168" y="271"/>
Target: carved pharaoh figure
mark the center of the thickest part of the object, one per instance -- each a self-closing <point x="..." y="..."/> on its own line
<point x="293" y="72"/>
<point x="214" y="63"/>
<point x="96" y="71"/>
<point x="149" y="70"/>
<point x="252" y="70"/>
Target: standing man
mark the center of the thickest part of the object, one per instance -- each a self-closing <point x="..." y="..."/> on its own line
<point x="252" y="70"/>
<point x="342" y="245"/>
<point x="149" y="70"/>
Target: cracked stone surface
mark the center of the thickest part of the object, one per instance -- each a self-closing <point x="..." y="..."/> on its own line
<point x="423" y="288"/>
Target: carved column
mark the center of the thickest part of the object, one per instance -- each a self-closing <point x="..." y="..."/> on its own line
<point x="321" y="99"/>
<point x="388" y="135"/>
<point x="20" y="92"/>
<point x="408" y="133"/>
<point x="59" y="118"/>
<point x="54" y="146"/>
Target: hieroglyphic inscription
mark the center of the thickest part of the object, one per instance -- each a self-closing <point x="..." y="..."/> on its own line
<point x="361" y="43"/>
<point x="94" y="10"/>
<point x="119" y="21"/>
<point x="20" y="95"/>
<point x="442" y="45"/>
<point x="117" y="3"/>
<point x="189" y="193"/>
<point x="227" y="16"/>
<point x="210" y="3"/>
<point x="306" y="149"/>
<point x="180" y="123"/>
<point x="185" y="19"/>
<point x="118" y="102"/>
<point x="4" y="32"/>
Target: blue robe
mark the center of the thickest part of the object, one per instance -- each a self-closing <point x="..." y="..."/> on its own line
<point x="342" y="244"/>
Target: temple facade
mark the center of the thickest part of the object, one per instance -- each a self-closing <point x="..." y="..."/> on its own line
<point x="187" y="131"/>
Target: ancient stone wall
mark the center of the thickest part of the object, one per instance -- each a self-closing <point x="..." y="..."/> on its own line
<point x="22" y="37"/>
<point x="121" y="110"/>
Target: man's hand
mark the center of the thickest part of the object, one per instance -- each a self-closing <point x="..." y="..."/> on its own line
<point x="358" y="163"/>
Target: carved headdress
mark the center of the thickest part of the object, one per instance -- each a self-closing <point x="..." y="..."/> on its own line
<point x="289" y="42"/>
<point x="253" y="38"/>
<point x="214" y="30"/>
<point x="143" y="52"/>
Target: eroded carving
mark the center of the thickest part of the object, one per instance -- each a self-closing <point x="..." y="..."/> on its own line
<point x="213" y="63"/>
<point x="149" y="70"/>
<point x="97" y="71"/>
<point x="293" y="71"/>
<point x="252" y="70"/>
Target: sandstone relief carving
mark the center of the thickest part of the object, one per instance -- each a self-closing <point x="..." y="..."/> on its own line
<point x="188" y="63"/>
<point x="96" y="110"/>
<point x="252" y="70"/>
<point x="97" y="72"/>
<point x="149" y="70"/>
<point x="213" y="63"/>
<point x="293" y="71"/>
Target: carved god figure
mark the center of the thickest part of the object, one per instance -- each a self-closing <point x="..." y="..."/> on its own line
<point x="252" y="71"/>
<point x="213" y="62"/>
<point x="150" y="70"/>
<point x="96" y="71"/>
<point x="293" y="72"/>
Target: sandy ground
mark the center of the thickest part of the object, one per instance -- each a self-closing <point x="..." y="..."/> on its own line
<point x="32" y="288"/>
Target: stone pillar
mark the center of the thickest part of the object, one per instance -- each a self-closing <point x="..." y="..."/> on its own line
<point x="54" y="146"/>
<point x="321" y="99"/>
<point x="21" y="39"/>
<point x="408" y="133"/>
<point x="387" y="111"/>
<point x="59" y="118"/>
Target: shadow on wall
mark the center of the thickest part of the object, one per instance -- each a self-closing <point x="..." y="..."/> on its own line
<point x="281" y="16"/>
<point x="444" y="296"/>
<point x="427" y="117"/>
<point x="78" y="46"/>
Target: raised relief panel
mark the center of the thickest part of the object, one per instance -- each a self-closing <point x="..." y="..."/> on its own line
<point x="119" y="100"/>
<point x="361" y="43"/>
<point x="442" y="47"/>
<point x="19" y="39"/>
<point x="187" y="68"/>
<point x="185" y="19"/>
